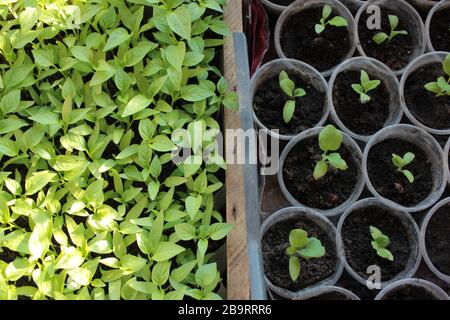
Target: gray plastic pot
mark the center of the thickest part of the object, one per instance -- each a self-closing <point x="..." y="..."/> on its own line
<point x="301" y="5"/>
<point x="430" y="287"/>
<point x="429" y="145"/>
<point x="423" y="247"/>
<point x="273" y="68"/>
<point x="446" y="164"/>
<point x="322" y="222"/>
<point x="443" y="5"/>
<point x="376" y="70"/>
<point x="429" y="58"/>
<point x="273" y="8"/>
<point x="353" y="148"/>
<point x="413" y="236"/>
<point x="410" y="15"/>
<point x="325" y="290"/>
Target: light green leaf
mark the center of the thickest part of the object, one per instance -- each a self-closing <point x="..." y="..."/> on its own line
<point x="38" y="181"/>
<point x="136" y="104"/>
<point x="180" y="22"/>
<point x="116" y="38"/>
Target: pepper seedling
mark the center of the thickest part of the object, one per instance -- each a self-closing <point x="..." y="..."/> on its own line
<point x="365" y="86"/>
<point x="302" y="247"/>
<point x="288" y="87"/>
<point x="400" y="162"/>
<point x="381" y="37"/>
<point x="336" y="21"/>
<point x="330" y="139"/>
<point x="442" y="86"/>
<point x="380" y="242"/>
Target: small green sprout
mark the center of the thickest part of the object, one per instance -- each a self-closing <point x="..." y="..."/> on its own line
<point x="400" y="162"/>
<point x="288" y="87"/>
<point x="442" y="86"/>
<point x="304" y="247"/>
<point x="380" y="242"/>
<point x="330" y="139"/>
<point x="381" y="37"/>
<point x="337" y="21"/>
<point x="365" y="86"/>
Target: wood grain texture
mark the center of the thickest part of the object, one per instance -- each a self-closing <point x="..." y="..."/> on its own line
<point x="238" y="283"/>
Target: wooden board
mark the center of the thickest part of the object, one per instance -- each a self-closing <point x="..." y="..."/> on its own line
<point x="238" y="283"/>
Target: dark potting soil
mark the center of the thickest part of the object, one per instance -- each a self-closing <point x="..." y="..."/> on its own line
<point x="300" y="41"/>
<point x="410" y="292"/>
<point x="438" y="239"/>
<point x="397" y="53"/>
<point x="357" y="240"/>
<point x="330" y="296"/>
<point x="440" y="30"/>
<point x="392" y="184"/>
<point x="364" y="119"/>
<point x="426" y="107"/>
<point x="276" y="262"/>
<point x="282" y="2"/>
<point x="269" y="101"/>
<point x="326" y="193"/>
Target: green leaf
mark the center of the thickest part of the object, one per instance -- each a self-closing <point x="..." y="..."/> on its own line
<point x="175" y="55"/>
<point x="294" y="268"/>
<point x="286" y="84"/>
<point x="335" y="160"/>
<point x="185" y="231"/>
<point x="408" y="158"/>
<point x="288" y="111"/>
<point x="8" y="147"/>
<point x="94" y="193"/>
<point x="180" y="273"/>
<point x="162" y="143"/>
<point x="384" y="253"/>
<point x="180" y="22"/>
<point x="10" y="125"/>
<point x="160" y="273"/>
<point x="433" y="87"/>
<point x="330" y="138"/>
<point x="103" y="72"/>
<point x="138" y="53"/>
<point x="38" y="181"/>
<point x="326" y="11"/>
<point x="193" y="93"/>
<point x="314" y="249"/>
<point x="218" y="231"/>
<point x="116" y="38"/>
<point x="408" y="176"/>
<point x="298" y="238"/>
<point x="10" y="102"/>
<point x="70" y="258"/>
<point x="393" y="21"/>
<point x="42" y="57"/>
<point x="131" y="264"/>
<point x="380" y="37"/>
<point x="320" y="170"/>
<point x="193" y="205"/>
<point x="136" y="104"/>
<point x="338" y="22"/>
<point x="446" y="65"/>
<point x="375" y="232"/>
<point x="28" y="18"/>
<point x="206" y="274"/>
<point x="319" y="28"/>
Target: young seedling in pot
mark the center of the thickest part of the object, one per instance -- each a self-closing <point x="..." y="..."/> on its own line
<point x="336" y="21"/>
<point x="400" y="163"/>
<point x="330" y="139"/>
<point x="380" y="243"/>
<point x="365" y="86"/>
<point x="288" y="87"/>
<point x="381" y="37"/>
<point x="302" y="247"/>
<point x="442" y="86"/>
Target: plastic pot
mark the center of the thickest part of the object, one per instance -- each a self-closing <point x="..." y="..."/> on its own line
<point x="377" y="70"/>
<point x="413" y="235"/>
<point x="428" y="144"/>
<point x="429" y="58"/>
<point x="273" y="8"/>
<point x="446" y="164"/>
<point x="443" y="5"/>
<point x="325" y="290"/>
<point x="353" y="5"/>
<point x="353" y="148"/>
<point x="423" y="247"/>
<point x="301" y="5"/>
<point x="408" y="14"/>
<point x="323" y="223"/>
<point x="430" y="287"/>
<point x="307" y="72"/>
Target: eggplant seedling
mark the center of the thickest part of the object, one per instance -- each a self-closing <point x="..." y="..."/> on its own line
<point x="365" y="86"/>
<point x="302" y="247"/>
<point x="381" y="37"/>
<point x="442" y="86"/>
<point x="400" y="163"/>
<point x="336" y="21"/>
<point x="288" y="87"/>
<point x="330" y="139"/>
<point x="380" y="242"/>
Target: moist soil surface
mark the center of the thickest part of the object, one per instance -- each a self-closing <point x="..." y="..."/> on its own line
<point x="276" y="262"/>
<point x="410" y="293"/>
<point x="426" y="106"/>
<point x="330" y="296"/>
<point x="282" y="2"/>
<point x="438" y="239"/>
<point x="269" y="101"/>
<point x="364" y="119"/>
<point x="357" y="240"/>
<point x="393" y="184"/>
<point x="300" y="41"/>
<point x="396" y="53"/>
<point x="440" y="30"/>
<point x="326" y="193"/>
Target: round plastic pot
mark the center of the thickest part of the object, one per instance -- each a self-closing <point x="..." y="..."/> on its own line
<point x="322" y="222"/>
<point x="413" y="236"/>
<point x="443" y="5"/>
<point x="377" y="70"/>
<point x="430" y="287"/>
<point x="428" y="144"/>
<point x="301" y="5"/>
<point x="273" y="8"/>
<point x="410" y="15"/>
<point x="429" y="58"/>
<point x="446" y="164"/>
<point x="353" y="148"/>
<point x="423" y="247"/>
<point x="325" y="290"/>
<point x="307" y="72"/>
